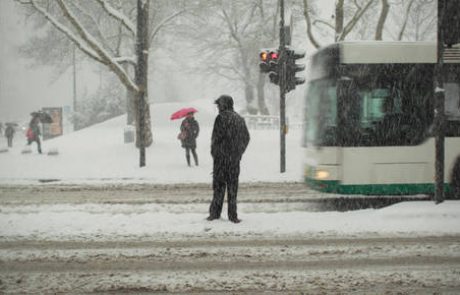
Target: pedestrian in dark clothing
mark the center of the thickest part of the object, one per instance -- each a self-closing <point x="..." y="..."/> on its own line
<point x="189" y="130"/>
<point x="9" y="134"/>
<point x="230" y="137"/>
<point x="33" y="133"/>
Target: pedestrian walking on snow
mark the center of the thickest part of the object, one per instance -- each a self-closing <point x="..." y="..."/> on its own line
<point x="9" y="134"/>
<point x="33" y="133"/>
<point x="230" y="137"/>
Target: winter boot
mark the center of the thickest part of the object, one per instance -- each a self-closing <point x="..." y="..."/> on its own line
<point x="195" y="157"/>
<point x="188" y="160"/>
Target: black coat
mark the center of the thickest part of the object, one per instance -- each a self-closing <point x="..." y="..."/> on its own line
<point x="230" y="137"/>
<point x="9" y="131"/>
<point x="191" y="128"/>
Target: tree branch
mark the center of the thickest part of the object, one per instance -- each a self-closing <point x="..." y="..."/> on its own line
<point x="119" y="16"/>
<point x="62" y="28"/>
<point x="126" y="59"/>
<point x="104" y="56"/>
<point x="251" y="14"/>
<point x="95" y="22"/>
<point x="163" y="23"/>
<point x="233" y="32"/>
<point x="350" y="25"/>
<point x="323" y="22"/>
<point x="308" y="21"/>
<point x="382" y="19"/>
<point x="406" y="19"/>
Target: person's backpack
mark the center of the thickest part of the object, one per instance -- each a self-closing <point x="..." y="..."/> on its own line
<point x="30" y="134"/>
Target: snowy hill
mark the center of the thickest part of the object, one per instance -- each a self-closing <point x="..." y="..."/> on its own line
<point x="99" y="154"/>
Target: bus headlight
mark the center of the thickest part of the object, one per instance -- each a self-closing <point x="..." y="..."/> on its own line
<point x="321" y="174"/>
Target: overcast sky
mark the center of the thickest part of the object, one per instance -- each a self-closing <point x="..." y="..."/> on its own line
<point x="24" y="88"/>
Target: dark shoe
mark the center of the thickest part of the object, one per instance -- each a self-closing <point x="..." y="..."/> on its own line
<point x="235" y="220"/>
<point x="211" y="218"/>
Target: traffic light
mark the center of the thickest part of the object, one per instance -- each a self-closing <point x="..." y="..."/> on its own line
<point x="269" y="63"/>
<point x="292" y="68"/>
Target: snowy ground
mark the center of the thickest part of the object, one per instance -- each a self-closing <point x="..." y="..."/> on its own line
<point x="145" y="221"/>
<point x="99" y="155"/>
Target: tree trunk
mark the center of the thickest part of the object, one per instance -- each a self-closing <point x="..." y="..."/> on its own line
<point x="130" y="102"/>
<point x="130" y="107"/>
<point x="142" y="127"/>
<point x="249" y="95"/>
<point x="261" y="95"/>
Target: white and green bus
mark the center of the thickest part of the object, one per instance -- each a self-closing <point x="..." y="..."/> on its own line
<point x="369" y="118"/>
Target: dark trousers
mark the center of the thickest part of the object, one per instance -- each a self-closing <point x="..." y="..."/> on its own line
<point x="225" y="178"/>
<point x="187" y="155"/>
<point x="39" y="145"/>
<point x="10" y="141"/>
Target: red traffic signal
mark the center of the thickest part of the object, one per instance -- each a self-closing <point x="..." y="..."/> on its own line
<point x="274" y="55"/>
<point x="268" y="60"/>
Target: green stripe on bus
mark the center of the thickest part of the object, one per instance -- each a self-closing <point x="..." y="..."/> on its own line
<point x="334" y="186"/>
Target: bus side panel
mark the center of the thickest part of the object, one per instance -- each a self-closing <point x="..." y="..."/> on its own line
<point x="388" y="170"/>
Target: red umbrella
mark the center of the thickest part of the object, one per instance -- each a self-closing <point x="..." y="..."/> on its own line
<point x="182" y="113"/>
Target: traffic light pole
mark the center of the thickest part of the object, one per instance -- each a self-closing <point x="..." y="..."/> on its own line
<point x="282" y="84"/>
<point x="439" y="118"/>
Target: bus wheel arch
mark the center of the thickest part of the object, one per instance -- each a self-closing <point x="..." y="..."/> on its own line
<point x="455" y="179"/>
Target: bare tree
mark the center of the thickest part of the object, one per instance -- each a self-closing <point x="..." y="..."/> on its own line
<point x="359" y="16"/>
<point x="226" y="37"/>
<point x="346" y="17"/>
<point x="117" y="34"/>
<point x="416" y="18"/>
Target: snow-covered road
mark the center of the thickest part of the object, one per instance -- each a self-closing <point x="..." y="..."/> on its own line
<point x="154" y="238"/>
<point x="319" y="265"/>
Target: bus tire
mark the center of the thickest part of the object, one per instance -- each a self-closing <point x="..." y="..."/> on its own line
<point x="455" y="180"/>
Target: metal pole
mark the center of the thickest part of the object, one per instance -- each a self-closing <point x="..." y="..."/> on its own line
<point x="74" y="86"/>
<point x="282" y="85"/>
<point x="439" y="118"/>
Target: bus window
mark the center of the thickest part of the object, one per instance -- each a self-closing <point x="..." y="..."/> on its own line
<point x="373" y="106"/>
<point x="452" y="101"/>
<point x="321" y="113"/>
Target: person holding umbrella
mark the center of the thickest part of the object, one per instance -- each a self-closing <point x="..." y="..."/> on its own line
<point x="33" y="133"/>
<point x="189" y="130"/>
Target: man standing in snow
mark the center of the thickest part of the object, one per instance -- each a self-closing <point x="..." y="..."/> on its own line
<point x="230" y="137"/>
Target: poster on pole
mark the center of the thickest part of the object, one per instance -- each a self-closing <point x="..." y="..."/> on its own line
<point x="53" y="129"/>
